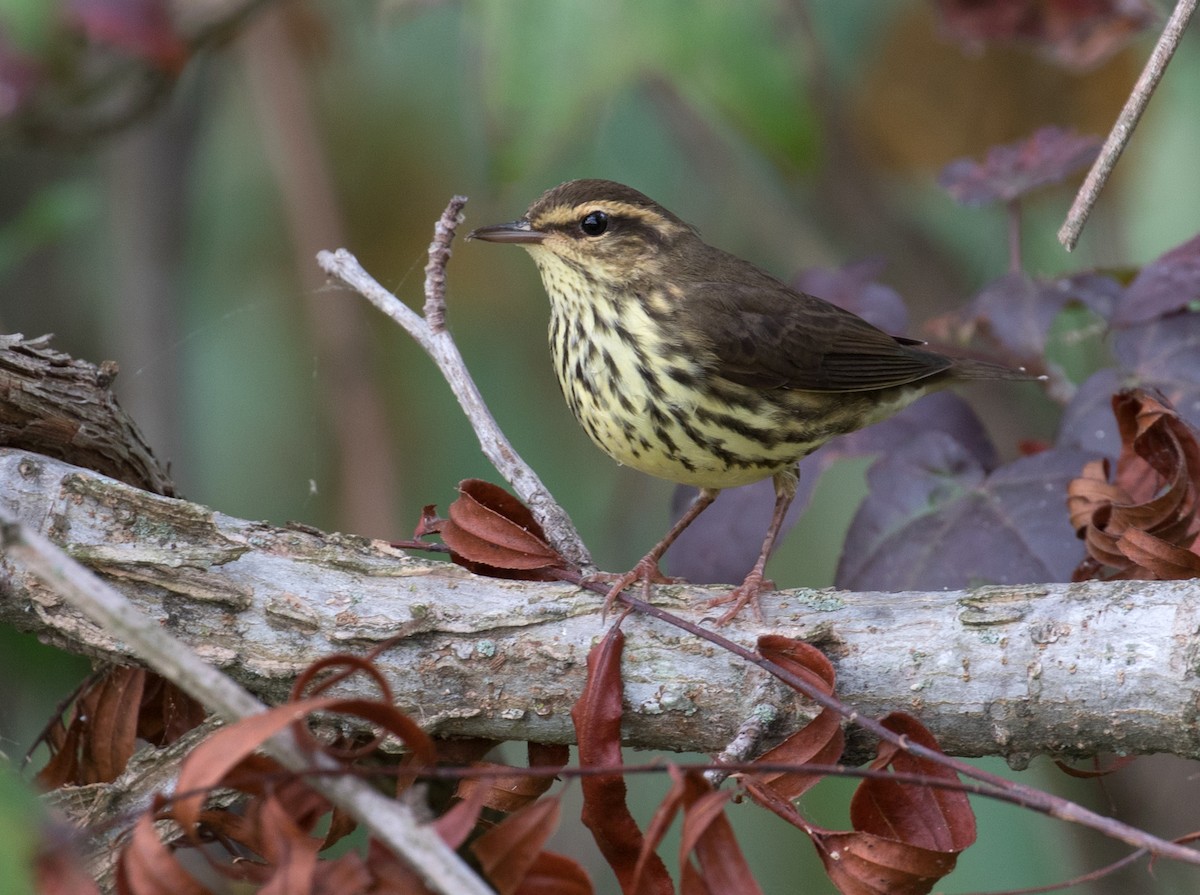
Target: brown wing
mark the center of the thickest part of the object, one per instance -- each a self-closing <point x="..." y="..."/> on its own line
<point x="764" y="335"/>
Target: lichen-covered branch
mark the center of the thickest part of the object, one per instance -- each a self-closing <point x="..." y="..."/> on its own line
<point x="1067" y="669"/>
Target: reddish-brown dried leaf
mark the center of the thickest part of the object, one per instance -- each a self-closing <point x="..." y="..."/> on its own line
<point x="597" y="720"/>
<point x="166" y="712"/>
<point x="491" y="532"/>
<point x="862" y="864"/>
<point x="391" y="875"/>
<point x="708" y="835"/>
<point x="429" y="523"/>
<point x="342" y="876"/>
<point x="906" y="837"/>
<point x="555" y="874"/>
<point x="548" y="755"/>
<point x="928" y="817"/>
<point x="821" y="740"/>
<point x="102" y="733"/>
<point x="208" y="764"/>
<point x="1145" y="523"/>
<point x="508" y="851"/>
<point x="299" y="802"/>
<point x="459" y="822"/>
<point x="147" y="867"/>
<point x="113" y="720"/>
<point x="656" y="830"/>
<point x="508" y="793"/>
<point x="63" y="766"/>
<point x="341" y="825"/>
<point x="1169" y="563"/>
<point x="1091" y="491"/>
<point x="1009" y="172"/>
<point x="288" y="848"/>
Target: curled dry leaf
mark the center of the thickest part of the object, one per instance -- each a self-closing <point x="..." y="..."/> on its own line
<point x="1144" y="523"/>
<point x="821" y="740"/>
<point x="277" y="836"/>
<point x="112" y="712"/>
<point x="207" y="766"/>
<point x="102" y="733"/>
<point x="906" y="837"/>
<point x="544" y="871"/>
<point x="492" y="533"/>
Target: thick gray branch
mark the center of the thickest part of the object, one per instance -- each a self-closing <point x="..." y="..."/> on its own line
<point x="1070" y="669"/>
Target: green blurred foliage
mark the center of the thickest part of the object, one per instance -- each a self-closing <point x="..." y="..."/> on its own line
<point x="28" y="23"/>
<point x="20" y="837"/>
<point x="546" y="69"/>
<point x="711" y="107"/>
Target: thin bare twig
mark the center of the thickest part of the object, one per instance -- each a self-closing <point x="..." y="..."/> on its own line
<point x="1086" y="198"/>
<point x="435" y="270"/>
<point x="438" y="344"/>
<point x="389" y="820"/>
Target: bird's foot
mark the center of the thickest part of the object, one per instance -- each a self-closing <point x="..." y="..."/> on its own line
<point x="746" y="592"/>
<point x="646" y="571"/>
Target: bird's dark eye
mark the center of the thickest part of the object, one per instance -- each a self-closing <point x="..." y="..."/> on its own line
<point x="594" y="223"/>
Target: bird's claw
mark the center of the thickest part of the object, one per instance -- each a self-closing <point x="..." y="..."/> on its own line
<point x="746" y="592"/>
<point x="646" y="571"/>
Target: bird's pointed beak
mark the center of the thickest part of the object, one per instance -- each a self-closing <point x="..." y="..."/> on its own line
<point x="519" y="232"/>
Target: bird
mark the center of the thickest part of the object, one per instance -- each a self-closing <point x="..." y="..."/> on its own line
<point x="691" y="364"/>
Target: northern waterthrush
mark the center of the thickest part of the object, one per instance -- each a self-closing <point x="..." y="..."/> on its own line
<point x="688" y="363"/>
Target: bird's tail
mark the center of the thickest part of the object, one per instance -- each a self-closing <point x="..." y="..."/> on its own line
<point x="967" y="368"/>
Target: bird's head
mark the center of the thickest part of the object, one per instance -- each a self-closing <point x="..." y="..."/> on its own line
<point x="599" y="229"/>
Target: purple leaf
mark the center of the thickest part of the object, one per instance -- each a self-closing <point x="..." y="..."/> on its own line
<point x="935" y="519"/>
<point x="1165" y="286"/>
<point x="1165" y="354"/>
<point x="1087" y="423"/>
<point x="853" y="287"/>
<point x="1011" y="171"/>
<point x="1162" y="354"/>
<point x="1018" y="311"/>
